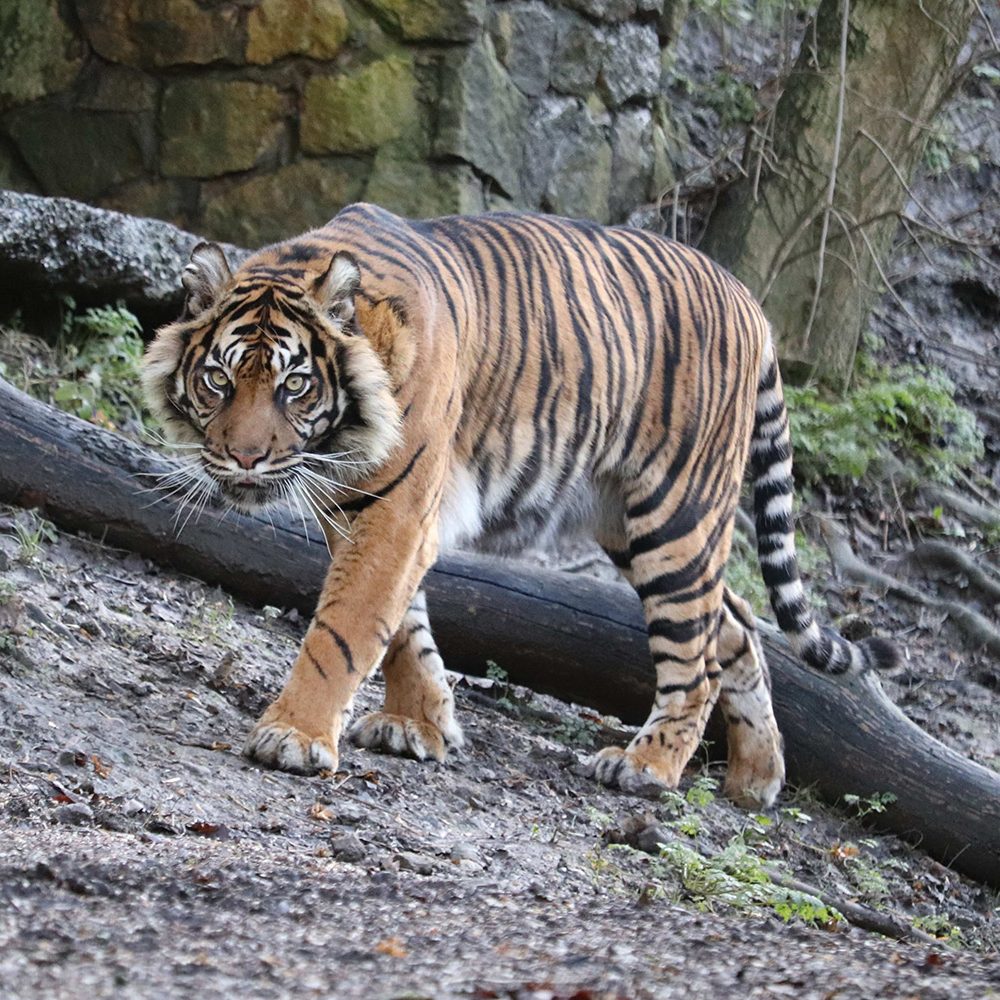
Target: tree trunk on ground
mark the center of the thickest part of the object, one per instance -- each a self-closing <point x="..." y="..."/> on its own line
<point x="570" y="636"/>
<point x="810" y="235"/>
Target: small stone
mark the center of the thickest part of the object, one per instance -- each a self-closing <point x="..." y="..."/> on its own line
<point x="632" y="160"/>
<point x="605" y="10"/>
<point x="277" y="28"/>
<point x="463" y="852"/>
<point x="132" y="807"/>
<point x="98" y="150"/>
<point x="274" y="206"/>
<point x="73" y="814"/>
<point x="165" y="33"/>
<point x="71" y="758"/>
<point x="418" y="863"/>
<point x="421" y="190"/>
<point x="37" y="55"/>
<point x="571" y="158"/>
<point x="348" y="847"/>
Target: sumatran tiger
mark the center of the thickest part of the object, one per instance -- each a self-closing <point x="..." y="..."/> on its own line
<point x="488" y="381"/>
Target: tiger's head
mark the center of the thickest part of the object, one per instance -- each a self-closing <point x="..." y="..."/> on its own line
<point x="268" y="376"/>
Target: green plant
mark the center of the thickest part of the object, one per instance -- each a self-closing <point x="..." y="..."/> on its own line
<point x="732" y="99"/>
<point x="868" y="879"/>
<point x="99" y="354"/>
<point x="576" y="732"/>
<point x="895" y="411"/>
<point x="93" y="370"/>
<point x="702" y="792"/>
<point x="496" y="673"/>
<point x="940" y="926"/>
<point x="31" y="531"/>
<point x="874" y="803"/>
<point x="736" y="878"/>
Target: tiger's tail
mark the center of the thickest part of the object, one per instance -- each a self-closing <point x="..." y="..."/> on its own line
<point x="771" y="466"/>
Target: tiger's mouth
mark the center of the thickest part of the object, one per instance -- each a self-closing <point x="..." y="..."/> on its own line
<point x="250" y="493"/>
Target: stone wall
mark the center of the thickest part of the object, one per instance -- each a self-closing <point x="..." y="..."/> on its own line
<point x="249" y="120"/>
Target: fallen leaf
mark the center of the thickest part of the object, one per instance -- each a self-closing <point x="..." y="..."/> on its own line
<point x="221" y="746"/>
<point x="841" y="852"/>
<point x="392" y="946"/>
<point x="101" y="769"/>
<point x="318" y="811"/>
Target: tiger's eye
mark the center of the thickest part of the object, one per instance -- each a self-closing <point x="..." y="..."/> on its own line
<point x="217" y="378"/>
<point x="295" y="383"/>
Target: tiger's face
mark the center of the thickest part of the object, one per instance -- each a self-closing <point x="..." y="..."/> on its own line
<point x="268" y="376"/>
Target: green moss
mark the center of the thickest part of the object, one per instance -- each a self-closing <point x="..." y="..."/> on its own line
<point x="213" y="127"/>
<point x="362" y="110"/>
<point x="37" y="54"/>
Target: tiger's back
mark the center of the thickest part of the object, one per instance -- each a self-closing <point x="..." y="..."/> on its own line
<point x="585" y="355"/>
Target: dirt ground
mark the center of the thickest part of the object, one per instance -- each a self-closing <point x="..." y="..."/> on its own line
<point x="142" y="856"/>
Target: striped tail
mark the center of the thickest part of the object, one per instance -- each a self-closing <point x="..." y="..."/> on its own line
<point x="771" y="465"/>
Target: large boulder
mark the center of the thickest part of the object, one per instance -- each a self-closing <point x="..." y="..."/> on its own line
<point x="56" y="245"/>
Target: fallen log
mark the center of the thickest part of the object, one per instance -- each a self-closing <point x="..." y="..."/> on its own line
<point x="574" y="637"/>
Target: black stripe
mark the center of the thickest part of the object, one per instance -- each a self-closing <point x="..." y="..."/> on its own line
<point x="339" y="640"/>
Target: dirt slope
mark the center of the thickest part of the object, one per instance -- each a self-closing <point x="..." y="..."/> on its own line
<point x="141" y="855"/>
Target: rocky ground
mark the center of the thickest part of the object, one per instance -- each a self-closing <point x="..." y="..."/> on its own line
<point x="143" y="856"/>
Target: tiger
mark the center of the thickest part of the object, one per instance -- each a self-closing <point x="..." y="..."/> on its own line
<point x="490" y="381"/>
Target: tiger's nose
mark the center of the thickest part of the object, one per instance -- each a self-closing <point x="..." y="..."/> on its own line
<point x="247" y="458"/>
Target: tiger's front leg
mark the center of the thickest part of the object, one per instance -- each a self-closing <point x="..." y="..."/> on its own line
<point x="418" y="718"/>
<point x="365" y="597"/>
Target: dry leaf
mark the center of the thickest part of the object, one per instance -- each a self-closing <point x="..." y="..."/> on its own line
<point x="318" y="811"/>
<point x="101" y="769"/>
<point x="841" y="852"/>
<point x="392" y="946"/>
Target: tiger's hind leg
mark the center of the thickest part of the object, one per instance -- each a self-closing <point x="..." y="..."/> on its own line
<point x="756" y="768"/>
<point x="674" y="561"/>
<point x="418" y="716"/>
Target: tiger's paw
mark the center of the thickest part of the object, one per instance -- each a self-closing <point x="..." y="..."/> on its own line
<point x="625" y="769"/>
<point x="280" y="745"/>
<point x="402" y="736"/>
<point x="753" y="782"/>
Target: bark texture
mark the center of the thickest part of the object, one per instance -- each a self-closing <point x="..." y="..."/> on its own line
<point x="898" y="59"/>
<point x="570" y="636"/>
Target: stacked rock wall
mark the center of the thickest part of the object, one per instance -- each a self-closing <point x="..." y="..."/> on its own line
<point x="249" y="120"/>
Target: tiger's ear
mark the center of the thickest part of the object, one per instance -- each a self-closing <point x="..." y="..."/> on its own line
<point x="204" y="278"/>
<point x="334" y="289"/>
